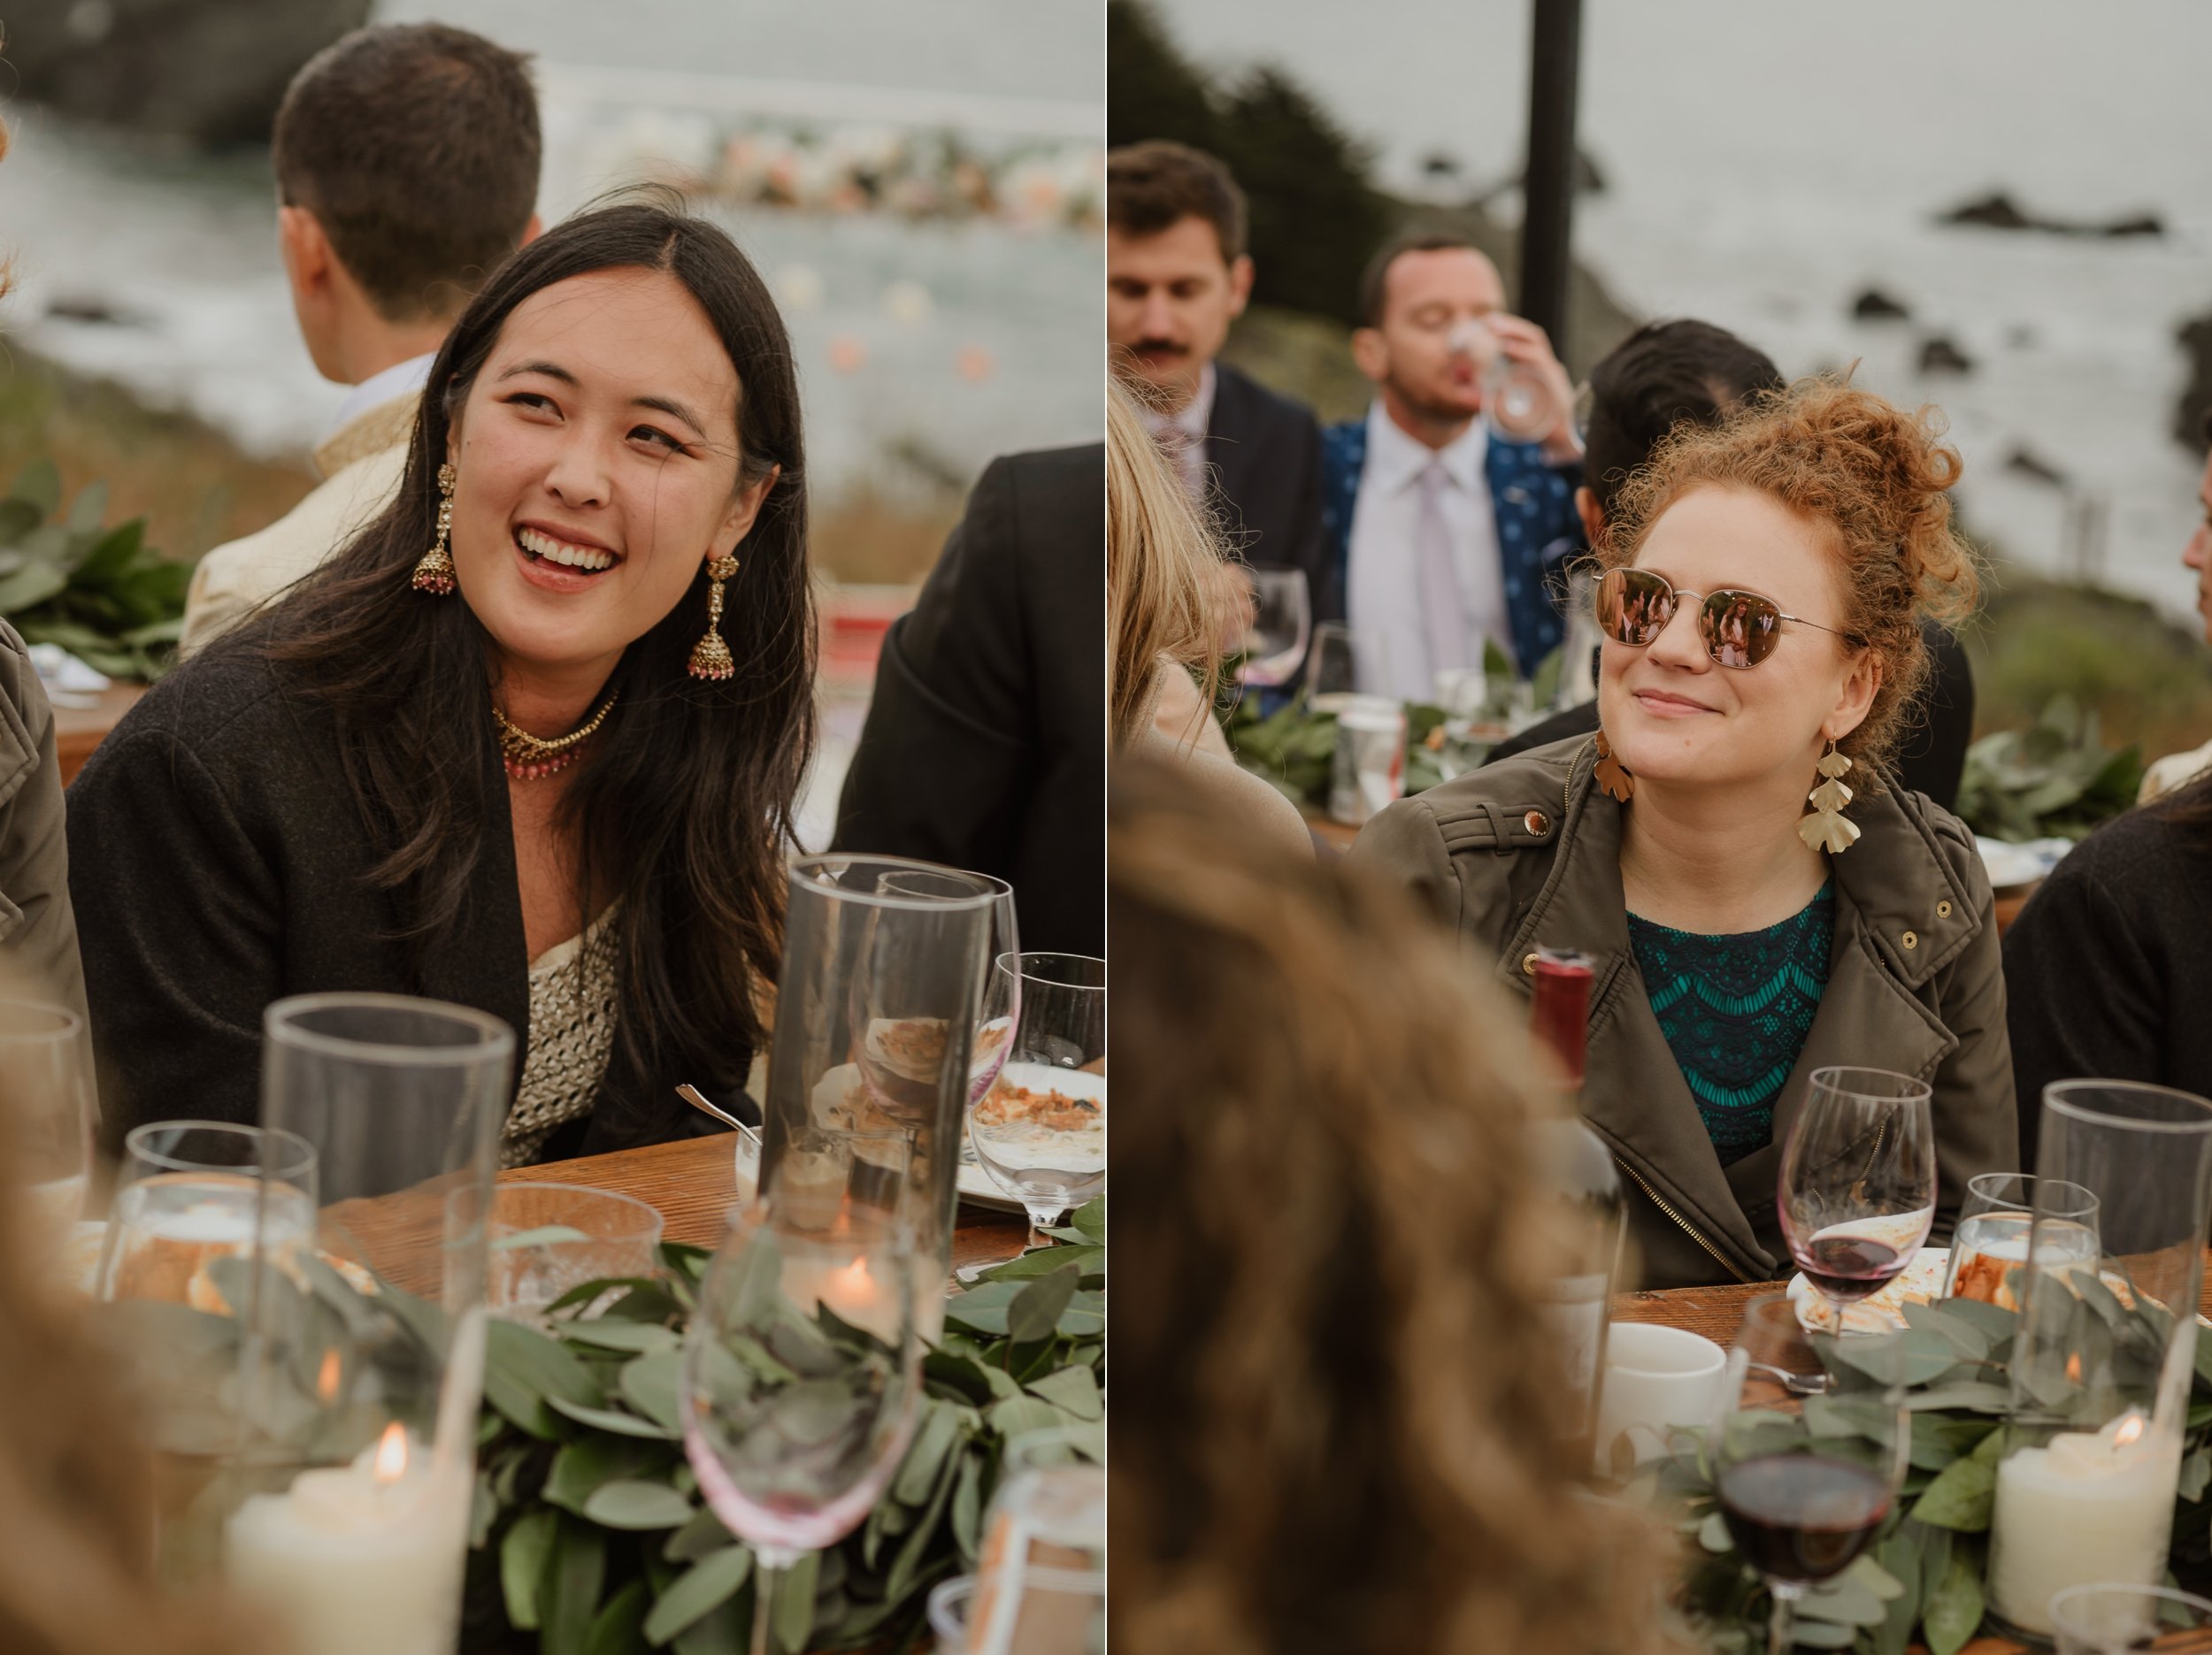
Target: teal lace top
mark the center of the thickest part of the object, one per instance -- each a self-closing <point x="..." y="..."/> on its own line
<point x="1736" y="1011"/>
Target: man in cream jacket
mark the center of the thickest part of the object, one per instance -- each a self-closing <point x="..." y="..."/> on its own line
<point x="406" y="160"/>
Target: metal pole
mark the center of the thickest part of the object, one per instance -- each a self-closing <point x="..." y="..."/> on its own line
<point x="1548" y="193"/>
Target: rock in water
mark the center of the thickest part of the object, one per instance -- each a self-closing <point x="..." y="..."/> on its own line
<point x="2028" y="462"/>
<point x="2144" y="224"/>
<point x="1939" y="355"/>
<point x="208" y="71"/>
<point x="1874" y="305"/>
<point x="1994" y="212"/>
<point x="2195" y="406"/>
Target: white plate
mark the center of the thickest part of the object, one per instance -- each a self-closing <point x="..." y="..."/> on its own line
<point x="1877" y="1313"/>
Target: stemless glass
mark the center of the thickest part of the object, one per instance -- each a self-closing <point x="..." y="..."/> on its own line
<point x="801" y="1379"/>
<point x="2103" y="1619"/>
<point x="1990" y="1246"/>
<point x="1516" y="401"/>
<point x="192" y="1193"/>
<point x="1040" y="1571"/>
<point x="1274" y="643"/>
<point x="1857" y="1187"/>
<point x="1344" y="662"/>
<point x="1042" y="1134"/>
<point x="1808" y="1451"/>
<point x="46" y="1083"/>
<point x="547" y="1239"/>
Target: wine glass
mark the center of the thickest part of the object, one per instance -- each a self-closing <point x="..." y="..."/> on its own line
<point x="1274" y="641"/>
<point x="1805" y="1481"/>
<point x="46" y="1086"/>
<point x="1344" y="662"/>
<point x="801" y="1377"/>
<point x="1995" y="1227"/>
<point x="1858" y="1182"/>
<point x="1042" y="1133"/>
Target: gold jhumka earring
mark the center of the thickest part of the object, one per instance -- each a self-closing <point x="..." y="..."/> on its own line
<point x="711" y="656"/>
<point x="434" y="573"/>
<point x="1825" y="827"/>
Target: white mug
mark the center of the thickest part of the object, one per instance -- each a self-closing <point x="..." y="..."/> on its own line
<point x="1656" y="1378"/>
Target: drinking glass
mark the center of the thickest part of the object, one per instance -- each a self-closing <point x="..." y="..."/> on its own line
<point x="1858" y="1182"/>
<point x="1516" y="403"/>
<point x="1042" y="1133"/>
<point x="1990" y="1245"/>
<point x="1001" y="996"/>
<point x="1342" y="663"/>
<point x="2105" y="1619"/>
<point x="46" y="1090"/>
<point x="1274" y="641"/>
<point x="547" y="1239"/>
<point x="801" y="1377"/>
<point x="192" y="1194"/>
<point x="1808" y="1451"/>
<point x="1040" y="1571"/>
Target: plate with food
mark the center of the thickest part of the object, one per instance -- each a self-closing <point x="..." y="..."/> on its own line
<point x="1917" y="1284"/>
<point x="841" y="1102"/>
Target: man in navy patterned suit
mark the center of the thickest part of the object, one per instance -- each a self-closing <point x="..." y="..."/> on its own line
<point x="1444" y="536"/>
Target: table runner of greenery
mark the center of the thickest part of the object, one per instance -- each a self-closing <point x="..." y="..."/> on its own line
<point x="588" y="1535"/>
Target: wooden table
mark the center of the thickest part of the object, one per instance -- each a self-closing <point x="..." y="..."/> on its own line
<point x="1716" y="1312"/>
<point x="694" y="1181"/>
<point x="78" y="730"/>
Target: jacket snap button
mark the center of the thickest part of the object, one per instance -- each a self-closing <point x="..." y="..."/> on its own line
<point x="1909" y="940"/>
<point x="1528" y="964"/>
<point x="1943" y="910"/>
<point x="1537" y="823"/>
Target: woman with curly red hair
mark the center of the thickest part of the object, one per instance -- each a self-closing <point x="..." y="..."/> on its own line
<point x="1760" y="898"/>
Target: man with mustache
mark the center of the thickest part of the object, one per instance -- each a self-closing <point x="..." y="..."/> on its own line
<point x="1177" y="275"/>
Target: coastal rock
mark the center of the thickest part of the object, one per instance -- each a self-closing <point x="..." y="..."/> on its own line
<point x="2000" y="211"/>
<point x="1874" y="305"/>
<point x="2027" y="463"/>
<point x="208" y="71"/>
<point x="2195" y="404"/>
<point x="1939" y="355"/>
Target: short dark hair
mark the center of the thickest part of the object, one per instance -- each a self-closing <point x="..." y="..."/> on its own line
<point x="1153" y="186"/>
<point x="415" y="147"/>
<point x="1374" y="281"/>
<point x="1660" y="375"/>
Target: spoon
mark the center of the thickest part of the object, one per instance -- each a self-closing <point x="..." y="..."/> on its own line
<point x="700" y="1101"/>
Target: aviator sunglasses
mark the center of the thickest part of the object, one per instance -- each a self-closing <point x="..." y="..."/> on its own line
<point x="1739" y="628"/>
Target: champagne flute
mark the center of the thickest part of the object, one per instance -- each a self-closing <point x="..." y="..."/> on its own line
<point x="1042" y="1134"/>
<point x="800" y="1378"/>
<point x="1274" y="641"/>
<point x="1806" y="1482"/>
<point x="1858" y="1182"/>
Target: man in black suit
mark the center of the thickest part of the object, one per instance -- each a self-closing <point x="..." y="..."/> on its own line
<point x="1177" y="275"/>
<point x="985" y="746"/>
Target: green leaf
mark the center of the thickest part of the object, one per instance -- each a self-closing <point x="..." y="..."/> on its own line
<point x="522" y="1556"/>
<point x="1954" y="1608"/>
<point x="1034" y="1313"/>
<point x="594" y="1459"/>
<point x="1845" y="1601"/>
<point x="2196" y="1474"/>
<point x="967" y="1508"/>
<point x="1090" y="1260"/>
<point x="1090" y="1218"/>
<point x="649" y="1385"/>
<point x="1960" y="1498"/>
<point x="1818" y="1634"/>
<point x="39" y="484"/>
<point x="112" y="554"/>
<point x="698" y="1591"/>
<point x="938" y="1436"/>
<point x="1963" y="1333"/>
<point x="568" y="1597"/>
<point x="1073" y="1391"/>
<point x="1544" y="682"/>
<point x="609" y="1420"/>
<point x="1713" y="1535"/>
<point x="523" y="1371"/>
<point x="794" y="1602"/>
<point x="636" y="1336"/>
<point x="90" y="505"/>
<point x="701" y="1537"/>
<point x="637" y="1505"/>
<point x="30" y="586"/>
<point x="620" y="1627"/>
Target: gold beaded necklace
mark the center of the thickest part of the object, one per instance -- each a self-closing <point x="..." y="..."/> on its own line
<point x="528" y="757"/>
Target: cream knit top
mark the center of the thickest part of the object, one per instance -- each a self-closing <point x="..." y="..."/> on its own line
<point x="572" y="1037"/>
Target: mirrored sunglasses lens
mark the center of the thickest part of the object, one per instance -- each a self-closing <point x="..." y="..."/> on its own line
<point x="1633" y="608"/>
<point x="1739" y="628"/>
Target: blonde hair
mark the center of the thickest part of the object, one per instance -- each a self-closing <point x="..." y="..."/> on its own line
<point x="1338" y="1425"/>
<point x="1162" y="601"/>
<point x="1877" y="479"/>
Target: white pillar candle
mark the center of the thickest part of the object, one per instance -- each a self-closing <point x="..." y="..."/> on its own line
<point x="2086" y="1507"/>
<point x="359" y="1560"/>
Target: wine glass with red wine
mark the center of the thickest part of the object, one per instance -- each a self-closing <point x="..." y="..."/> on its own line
<point x="1806" y="1482"/>
<point x="1858" y="1182"/>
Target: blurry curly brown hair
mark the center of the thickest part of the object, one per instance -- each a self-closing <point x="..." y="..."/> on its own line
<point x="1338" y="1423"/>
<point x="1876" y="477"/>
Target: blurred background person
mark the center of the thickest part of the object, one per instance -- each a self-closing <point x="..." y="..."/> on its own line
<point x="1668" y="372"/>
<point x="406" y="161"/>
<point x="1447" y="536"/>
<point x="1756" y="942"/>
<point x="1164" y="607"/>
<point x="2177" y="769"/>
<point x="1177" y="276"/>
<point x="1336" y="1428"/>
<point x="983" y="744"/>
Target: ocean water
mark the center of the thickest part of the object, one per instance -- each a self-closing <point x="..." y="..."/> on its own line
<point x="926" y="346"/>
<point x="1764" y="163"/>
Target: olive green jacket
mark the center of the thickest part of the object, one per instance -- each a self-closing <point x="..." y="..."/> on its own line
<point x="38" y="928"/>
<point x="1527" y="852"/>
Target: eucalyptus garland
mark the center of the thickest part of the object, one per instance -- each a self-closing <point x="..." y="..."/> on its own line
<point x="589" y="1536"/>
<point x="1923" y="1577"/>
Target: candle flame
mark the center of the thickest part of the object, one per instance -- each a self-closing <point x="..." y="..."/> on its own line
<point x="2073" y="1368"/>
<point x="391" y="1454"/>
<point x="326" y="1378"/>
<point x="2130" y="1430"/>
<point x="854" y="1278"/>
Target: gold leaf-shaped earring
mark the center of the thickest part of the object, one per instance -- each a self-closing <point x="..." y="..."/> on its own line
<point x="1825" y="827"/>
<point x="1613" y="779"/>
<point x="434" y="573"/>
<point x="710" y="657"/>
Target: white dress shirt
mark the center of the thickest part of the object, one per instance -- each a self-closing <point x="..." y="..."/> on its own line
<point x="1182" y="434"/>
<point x="402" y="379"/>
<point x="1383" y="595"/>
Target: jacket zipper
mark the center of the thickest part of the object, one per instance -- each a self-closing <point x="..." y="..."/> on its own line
<point x="1660" y="1202"/>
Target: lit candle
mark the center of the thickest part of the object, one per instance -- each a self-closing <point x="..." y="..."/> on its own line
<point x="856" y="1297"/>
<point x="2088" y="1506"/>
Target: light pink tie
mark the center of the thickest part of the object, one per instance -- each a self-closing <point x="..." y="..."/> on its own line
<point x="1443" y="603"/>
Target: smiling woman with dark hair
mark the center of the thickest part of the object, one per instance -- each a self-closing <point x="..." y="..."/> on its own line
<point x="530" y="742"/>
